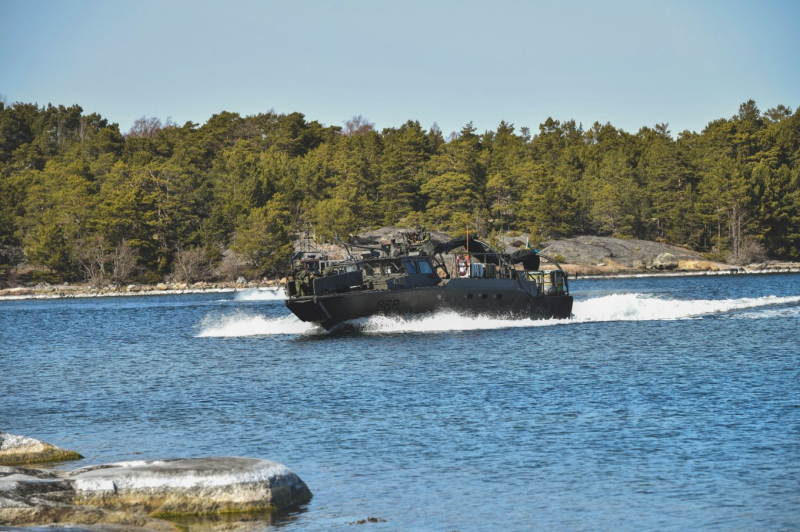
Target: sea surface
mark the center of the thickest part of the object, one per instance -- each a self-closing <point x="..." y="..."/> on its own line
<point x="664" y="404"/>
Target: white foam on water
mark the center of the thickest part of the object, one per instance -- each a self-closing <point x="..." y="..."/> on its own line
<point x="444" y="321"/>
<point x="641" y="307"/>
<point x="614" y="307"/>
<point x="241" y="324"/>
<point x="779" y="312"/>
<point x="259" y="294"/>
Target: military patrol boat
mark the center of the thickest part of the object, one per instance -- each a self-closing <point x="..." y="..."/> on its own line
<point x="464" y="275"/>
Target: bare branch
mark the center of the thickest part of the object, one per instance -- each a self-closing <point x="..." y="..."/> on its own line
<point x="358" y="125"/>
<point x="146" y="127"/>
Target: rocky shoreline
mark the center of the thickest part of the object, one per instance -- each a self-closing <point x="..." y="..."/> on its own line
<point x="66" y="290"/>
<point x="581" y="257"/>
<point x="588" y="256"/>
<point x="575" y="271"/>
<point x="702" y="268"/>
<point x="139" y="495"/>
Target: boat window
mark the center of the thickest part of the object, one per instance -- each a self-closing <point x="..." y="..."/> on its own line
<point x="425" y="267"/>
<point x="373" y="269"/>
<point x="410" y="267"/>
<point x="393" y="268"/>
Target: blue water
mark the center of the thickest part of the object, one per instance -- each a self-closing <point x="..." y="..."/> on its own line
<point x="664" y="404"/>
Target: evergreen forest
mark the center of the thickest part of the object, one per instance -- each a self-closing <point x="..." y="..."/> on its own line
<point x="81" y="200"/>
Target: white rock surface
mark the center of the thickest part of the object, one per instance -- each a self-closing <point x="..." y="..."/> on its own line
<point x="197" y="485"/>
<point x="132" y="493"/>
<point x="665" y="261"/>
<point x="15" y="450"/>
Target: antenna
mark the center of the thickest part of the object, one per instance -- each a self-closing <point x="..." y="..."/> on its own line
<point x="346" y="247"/>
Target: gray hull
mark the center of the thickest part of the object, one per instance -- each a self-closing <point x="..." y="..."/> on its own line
<point x="492" y="297"/>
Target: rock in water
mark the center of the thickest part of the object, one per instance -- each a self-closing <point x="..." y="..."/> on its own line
<point x="16" y="450"/>
<point x="31" y="497"/>
<point x="132" y="493"/>
<point x="191" y="486"/>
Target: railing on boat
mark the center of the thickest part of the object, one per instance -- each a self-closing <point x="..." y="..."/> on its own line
<point x="548" y="282"/>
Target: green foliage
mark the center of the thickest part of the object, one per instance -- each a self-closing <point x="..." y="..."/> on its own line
<point x="46" y="245"/>
<point x="86" y="202"/>
<point x="334" y="217"/>
<point x="452" y="198"/>
<point x="263" y="238"/>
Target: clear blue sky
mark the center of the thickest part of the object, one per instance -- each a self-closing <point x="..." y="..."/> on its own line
<point x="631" y="63"/>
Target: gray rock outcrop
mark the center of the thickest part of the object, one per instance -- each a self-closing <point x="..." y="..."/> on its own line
<point x="37" y="497"/>
<point x="17" y="450"/>
<point x="626" y="253"/>
<point x="665" y="261"/>
<point x="136" y="493"/>
<point x="384" y="234"/>
<point x="191" y="486"/>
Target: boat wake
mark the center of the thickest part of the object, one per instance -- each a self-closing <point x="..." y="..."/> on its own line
<point x="443" y="322"/>
<point x="256" y="294"/>
<point x="614" y="307"/>
<point x="642" y="307"/>
<point x="243" y="324"/>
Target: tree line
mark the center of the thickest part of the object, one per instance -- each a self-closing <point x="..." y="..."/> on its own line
<point x="81" y="200"/>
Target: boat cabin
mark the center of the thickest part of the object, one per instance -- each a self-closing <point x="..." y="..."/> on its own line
<point x="471" y="260"/>
<point x="398" y="272"/>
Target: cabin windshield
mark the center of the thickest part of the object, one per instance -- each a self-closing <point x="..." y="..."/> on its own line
<point x="410" y="266"/>
<point x="425" y="267"/>
<point x="382" y="269"/>
<point x="391" y="268"/>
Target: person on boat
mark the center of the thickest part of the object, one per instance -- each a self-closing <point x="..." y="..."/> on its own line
<point x="303" y="280"/>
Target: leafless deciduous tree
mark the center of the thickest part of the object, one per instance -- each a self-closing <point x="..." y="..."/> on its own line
<point x="123" y="262"/>
<point x="232" y="266"/>
<point x="99" y="264"/>
<point x="92" y="257"/>
<point x="358" y="125"/>
<point x="748" y="251"/>
<point x="145" y="127"/>
<point x="190" y="265"/>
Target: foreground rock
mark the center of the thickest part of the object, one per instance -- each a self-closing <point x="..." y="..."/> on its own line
<point x="192" y="486"/>
<point x="134" y="493"/>
<point x="17" y="450"/>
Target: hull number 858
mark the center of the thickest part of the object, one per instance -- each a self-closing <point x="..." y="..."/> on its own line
<point x="389" y="305"/>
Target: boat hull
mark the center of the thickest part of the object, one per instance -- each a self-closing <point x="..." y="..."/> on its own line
<point x="494" y="298"/>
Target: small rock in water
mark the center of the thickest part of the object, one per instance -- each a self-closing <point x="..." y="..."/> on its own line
<point x="367" y="520"/>
<point x="17" y="450"/>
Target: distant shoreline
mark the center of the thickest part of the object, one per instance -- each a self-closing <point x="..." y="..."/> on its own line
<point x="686" y="273"/>
<point x="77" y="291"/>
<point x="81" y="291"/>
